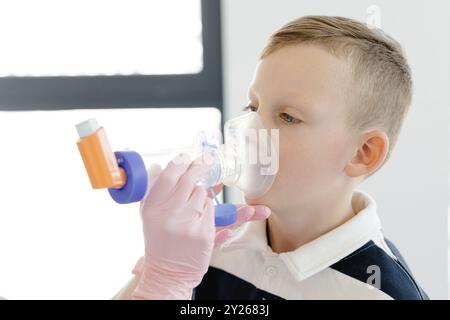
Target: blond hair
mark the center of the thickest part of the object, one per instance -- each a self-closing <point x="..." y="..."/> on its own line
<point x="381" y="78"/>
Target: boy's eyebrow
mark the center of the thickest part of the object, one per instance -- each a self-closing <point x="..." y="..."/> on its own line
<point x="251" y="96"/>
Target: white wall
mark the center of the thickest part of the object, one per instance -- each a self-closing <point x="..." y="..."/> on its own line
<point x="412" y="189"/>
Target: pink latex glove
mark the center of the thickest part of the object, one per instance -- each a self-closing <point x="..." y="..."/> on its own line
<point x="245" y="213"/>
<point x="177" y="289"/>
<point x="179" y="232"/>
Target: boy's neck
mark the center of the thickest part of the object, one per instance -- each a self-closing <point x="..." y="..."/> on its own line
<point x="290" y="230"/>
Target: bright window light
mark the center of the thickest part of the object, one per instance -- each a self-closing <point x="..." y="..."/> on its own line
<point x="100" y="37"/>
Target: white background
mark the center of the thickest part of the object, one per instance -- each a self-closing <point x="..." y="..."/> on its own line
<point x="412" y="189"/>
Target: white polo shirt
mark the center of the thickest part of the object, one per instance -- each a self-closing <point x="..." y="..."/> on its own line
<point x="353" y="261"/>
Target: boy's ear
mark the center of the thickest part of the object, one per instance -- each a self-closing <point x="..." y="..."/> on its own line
<point x="370" y="154"/>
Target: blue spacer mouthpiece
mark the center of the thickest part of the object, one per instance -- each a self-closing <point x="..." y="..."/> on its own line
<point x="137" y="178"/>
<point x="225" y="214"/>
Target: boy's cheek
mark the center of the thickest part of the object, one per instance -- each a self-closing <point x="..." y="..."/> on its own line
<point x="293" y="183"/>
<point x="307" y="163"/>
<point x="309" y="166"/>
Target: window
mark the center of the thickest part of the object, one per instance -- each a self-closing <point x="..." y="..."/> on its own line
<point x="131" y="38"/>
<point x="59" y="238"/>
<point x="109" y="54"/>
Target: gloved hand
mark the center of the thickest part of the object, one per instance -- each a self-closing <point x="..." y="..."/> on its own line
<point x="245" y="213"/>
<point x="179" y="232"/>
<point x="169" y="285"/>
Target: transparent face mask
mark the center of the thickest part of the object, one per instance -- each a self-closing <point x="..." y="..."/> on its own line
<point x="255" y="149"/>
<point x="248" y="160"/>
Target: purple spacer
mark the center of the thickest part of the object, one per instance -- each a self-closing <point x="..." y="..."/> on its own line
<point x="137" y="178"/>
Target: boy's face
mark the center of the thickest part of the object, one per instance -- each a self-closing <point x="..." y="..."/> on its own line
<point x="302" y="90"/>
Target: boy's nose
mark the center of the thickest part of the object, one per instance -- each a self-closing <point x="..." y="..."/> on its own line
<point x="267" y="119"/>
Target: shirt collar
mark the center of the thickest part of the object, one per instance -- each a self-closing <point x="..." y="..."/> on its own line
<point x="322" y="252"/>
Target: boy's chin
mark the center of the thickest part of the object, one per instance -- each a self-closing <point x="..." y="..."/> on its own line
<point x="271" y="199"/>
<point x="255" y="201"/>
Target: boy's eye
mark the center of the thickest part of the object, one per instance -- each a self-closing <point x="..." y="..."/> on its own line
<point x="284" y="116"/>
<point x="250" y="108"/>
<point x="288" y="118"/>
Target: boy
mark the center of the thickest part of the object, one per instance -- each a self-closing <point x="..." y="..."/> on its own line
<point x="338" y="93"/>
